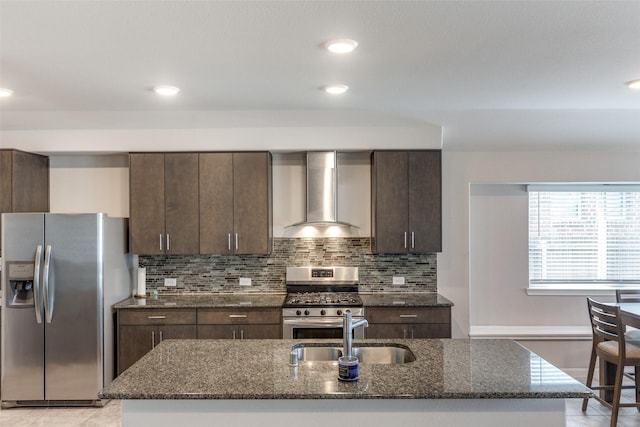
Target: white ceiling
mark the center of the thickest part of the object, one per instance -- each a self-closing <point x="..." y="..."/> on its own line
<point x="494" y="74"/>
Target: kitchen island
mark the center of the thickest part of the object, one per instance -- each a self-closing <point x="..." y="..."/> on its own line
<point x="250" y="383"/>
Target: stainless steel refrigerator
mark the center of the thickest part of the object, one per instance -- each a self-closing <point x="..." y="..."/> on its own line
<point x="61" y="274"/>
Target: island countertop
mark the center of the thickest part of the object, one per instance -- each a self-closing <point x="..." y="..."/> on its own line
<point x="259" y="369"/>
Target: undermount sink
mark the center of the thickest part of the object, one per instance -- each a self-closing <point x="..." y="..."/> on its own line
<point x="389" y="354"/>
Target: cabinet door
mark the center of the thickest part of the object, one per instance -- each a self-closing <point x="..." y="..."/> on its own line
<point x="6" y="181"/>
<point x="133" y="343"/>
<point x="217" y="332"/>
<point x="216" y="203"/>
<point x="181" y="203"/>
<point x="425" y="201"/>
<point x="24" y="182"/>
<point x="389" y="199"/>
<point x="431" y="330"/>
<point x="30" y="182"/>
<point x="252" y="203"/>
<point x="257" y="332"/>
<point x="388" y="330"/>
<point x="175" y="332"/>
<point x="408" y="330"/>
<point x="146" y="203"/>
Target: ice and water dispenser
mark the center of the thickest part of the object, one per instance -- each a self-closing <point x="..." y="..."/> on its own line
<point x="20" y="280"/>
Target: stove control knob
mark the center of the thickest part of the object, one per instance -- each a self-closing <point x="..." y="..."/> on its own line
<point x="298" y="312"/>
<point x="323" y="312"/>
<point x="306" y="312"/>
<point x="339" y="312"/>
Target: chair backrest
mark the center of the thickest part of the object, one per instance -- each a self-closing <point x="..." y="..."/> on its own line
<point x="605" y="322"/>
<point x="628" y="295"/>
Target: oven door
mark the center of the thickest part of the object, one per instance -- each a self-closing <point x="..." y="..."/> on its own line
<point x="316" y="327"/>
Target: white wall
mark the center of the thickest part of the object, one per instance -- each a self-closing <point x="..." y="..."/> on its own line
<point x="89" y="184"/>
<point x="266" y="138"/>
<point x="483" y="266"/>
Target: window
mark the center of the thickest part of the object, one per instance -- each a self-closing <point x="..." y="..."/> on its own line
<point x="584" y="235"/>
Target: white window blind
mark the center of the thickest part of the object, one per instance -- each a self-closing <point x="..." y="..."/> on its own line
<point x="584" y="235"/>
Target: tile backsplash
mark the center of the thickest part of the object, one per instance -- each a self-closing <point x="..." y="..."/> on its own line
<point x="221" y="273"/>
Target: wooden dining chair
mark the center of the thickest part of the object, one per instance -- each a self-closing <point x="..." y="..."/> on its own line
<point x="610" y="346"/>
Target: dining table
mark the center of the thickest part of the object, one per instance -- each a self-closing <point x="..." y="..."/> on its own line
<point x="630" y="314"/>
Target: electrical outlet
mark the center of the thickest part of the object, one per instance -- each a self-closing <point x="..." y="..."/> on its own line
<point x="245" y="281"/>
<point x="398" y="280"/>
<point x="169" y="282"/>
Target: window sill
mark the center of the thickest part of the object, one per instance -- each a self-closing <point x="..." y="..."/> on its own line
<point x="573" y="291"/>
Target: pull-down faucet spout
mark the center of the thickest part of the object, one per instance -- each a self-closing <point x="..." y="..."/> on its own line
<point x="348" y="326"/>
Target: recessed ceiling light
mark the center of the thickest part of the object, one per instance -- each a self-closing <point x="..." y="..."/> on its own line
<point x="335" y="89"/>
<point x="5" y="92"/>
<point x="341" y="45"/>
<point x="166" y="90"/>
<point x="634" y="84"/>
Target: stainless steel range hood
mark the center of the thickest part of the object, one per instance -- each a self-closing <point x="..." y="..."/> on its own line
<point x="322" y="191"/>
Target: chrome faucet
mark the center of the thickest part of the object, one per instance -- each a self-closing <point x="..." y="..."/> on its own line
<point x="348" y="326"/>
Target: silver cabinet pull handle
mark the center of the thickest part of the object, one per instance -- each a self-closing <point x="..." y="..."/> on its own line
<point x="408" y="315"/>
<point x="37" y="300"/>
<point x="238" y="316"/>
<point x="234" y="334"/>
<point x="413" y="240"/>
<point x="236" y="241"/>
<point x="156" y="317"/>
<point x="404" y="334"/>
<point x="160" y="241"/>
<point x="241" y="334"/>
<point x="161" y="337"/>
<point x="168" y="242"/>
<point x="153" y="339"/>
<point x="229" y="241"/>
<point x="405" y="240"/>
<point x="412" y="333"/>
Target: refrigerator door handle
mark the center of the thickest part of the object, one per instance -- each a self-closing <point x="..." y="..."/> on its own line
<point x="37" y="301"/>
<point x="49" y="292"/>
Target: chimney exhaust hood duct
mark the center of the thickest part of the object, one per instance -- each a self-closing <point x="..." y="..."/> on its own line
<point x="322" y="191"/>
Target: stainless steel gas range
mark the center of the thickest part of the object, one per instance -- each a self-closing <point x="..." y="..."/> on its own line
<point x="317" y="298"/>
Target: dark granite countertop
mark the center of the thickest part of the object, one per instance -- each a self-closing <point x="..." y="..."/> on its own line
<point x="398" y="299"/>
<point x="405" y="299"/>
<point x="258" y="369"/>
<point x="204" y="301"/>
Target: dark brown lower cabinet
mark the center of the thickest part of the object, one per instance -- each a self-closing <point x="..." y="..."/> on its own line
<point x="239" y="332"/>
<point x="141" y="330"/>
<point x="255" y="323"/>
<point x="407" y="323"/>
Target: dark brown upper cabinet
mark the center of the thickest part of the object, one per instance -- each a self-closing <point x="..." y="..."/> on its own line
<point x="164" y="205"/>
<point x="406" y="198"/>
<point x="24" y="182"/>
<point x="235" y="203"/>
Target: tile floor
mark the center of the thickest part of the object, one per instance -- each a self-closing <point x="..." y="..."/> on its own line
<point x="596" y="414"/>
<point x="109" y="416"/>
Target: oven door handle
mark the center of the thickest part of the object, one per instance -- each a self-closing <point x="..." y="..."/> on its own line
<point x="305" y="322"/>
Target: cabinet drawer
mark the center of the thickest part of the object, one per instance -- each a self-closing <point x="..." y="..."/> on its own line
<point x="239" y="332"/>
<point x="158" y="317"/>
<point x="408" y="315"/>
<point x="239" y="316"/>
<point x="408" y="330"/>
